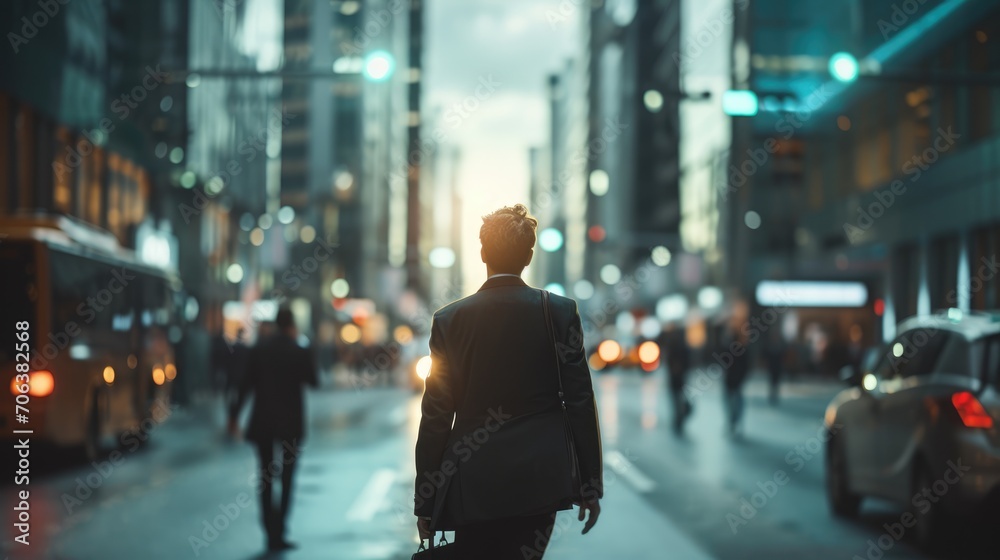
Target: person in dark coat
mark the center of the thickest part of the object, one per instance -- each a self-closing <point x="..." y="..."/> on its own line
<point x="278" y="370"/>
<point x="775" y="354"/>
<point x="736" y="371"/>
<point x="673" y="342"/>
<point x="235" y="365"/>
<point x="493" y="370"/>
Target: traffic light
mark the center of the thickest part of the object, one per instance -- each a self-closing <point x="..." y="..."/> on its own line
<point x="550" y="240"/>
<point x="379" y="66"/>
<point x="843" y="67"/>
<point x="739" y="103"/>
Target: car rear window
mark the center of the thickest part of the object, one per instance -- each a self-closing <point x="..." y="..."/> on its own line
<point x="986" y="357"/>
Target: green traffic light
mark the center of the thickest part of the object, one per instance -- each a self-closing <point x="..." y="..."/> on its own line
<point x="843" y="67"/>
<point x="379" y="66"/>
<point x="739" y="103"/>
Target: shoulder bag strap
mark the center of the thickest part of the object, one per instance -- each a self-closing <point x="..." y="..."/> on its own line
<point x="562" y="395"/>
<point x="555" y="347"/>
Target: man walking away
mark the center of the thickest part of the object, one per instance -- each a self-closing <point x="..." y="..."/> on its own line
<point x="278" y="370"/>
<point x="674" y="346"/>
<point x="507" y="362"/>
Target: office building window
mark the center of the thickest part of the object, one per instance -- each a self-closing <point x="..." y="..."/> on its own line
<point x="906" y="279"/>
<point x="24" y="147"/>
<point x="63" y="176"/>
<point x="980" y="97"/>
<point x="7" y="157"/>
<point x="93" y="189"/>
<point x="947" y="95"/>
<point x="942" y="271"/>
<point x="913" y="127"/>
<point x="985" y="294"/>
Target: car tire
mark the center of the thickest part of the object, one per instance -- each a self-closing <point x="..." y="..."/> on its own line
<point x="843" y="502"/>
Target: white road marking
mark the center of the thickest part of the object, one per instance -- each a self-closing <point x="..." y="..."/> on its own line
<point x="625" y="469"/>
<point x="373" y="496"/>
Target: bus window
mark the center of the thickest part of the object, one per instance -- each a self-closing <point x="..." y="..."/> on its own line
<point x="83" y="292"/>
<point x="19" y="284"/>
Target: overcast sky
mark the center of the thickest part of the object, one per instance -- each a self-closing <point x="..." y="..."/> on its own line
<point x="516" y="44"/>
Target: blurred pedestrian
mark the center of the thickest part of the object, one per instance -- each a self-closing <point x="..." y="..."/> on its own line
<point x="737" y="367"/>
<point x="235" y="365"/>
<point x="673" y="342"/>
<point x="218" y="363"/>
<point x="278" y="370"/>
<point x="775" y="354"/>
<point x="508" y="400"/>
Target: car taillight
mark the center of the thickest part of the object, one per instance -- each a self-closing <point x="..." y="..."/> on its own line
<point x="40" y="384"/>
<point x="971" y="411"/>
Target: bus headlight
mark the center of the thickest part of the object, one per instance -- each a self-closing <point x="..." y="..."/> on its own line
<point x="40" y="384"/>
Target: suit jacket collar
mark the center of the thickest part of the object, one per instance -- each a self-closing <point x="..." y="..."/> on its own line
<point x="502" y="281"/>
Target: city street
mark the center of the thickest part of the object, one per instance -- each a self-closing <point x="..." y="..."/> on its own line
<point x="330" y="206"/>
<point x="666" y="497"/>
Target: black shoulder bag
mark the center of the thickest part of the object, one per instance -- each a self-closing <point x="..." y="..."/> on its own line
<point x="570" y="441"/>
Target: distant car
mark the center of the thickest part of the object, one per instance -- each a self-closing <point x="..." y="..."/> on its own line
<point x="610" y="354"/>
<point x="920" y="427"/>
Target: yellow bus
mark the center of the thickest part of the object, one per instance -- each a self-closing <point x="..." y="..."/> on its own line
<point x="99" y="324"/>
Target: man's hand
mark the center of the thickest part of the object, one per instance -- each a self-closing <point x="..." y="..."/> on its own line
<point x="424" y="528"/>
<point x="594" y="507"/>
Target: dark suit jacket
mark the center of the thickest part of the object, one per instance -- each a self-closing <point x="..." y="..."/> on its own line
<point x="491" y="351"/>
<point x="278" y="369"/>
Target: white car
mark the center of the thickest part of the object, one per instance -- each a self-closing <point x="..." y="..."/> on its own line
<point x="920" y="426"/>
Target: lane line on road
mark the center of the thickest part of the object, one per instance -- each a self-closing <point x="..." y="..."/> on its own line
<point x="625" y="469"/>
<point x="373" y="496"/>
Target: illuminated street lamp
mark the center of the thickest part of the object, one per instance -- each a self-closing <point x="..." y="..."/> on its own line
<point x="234" y="273"/>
